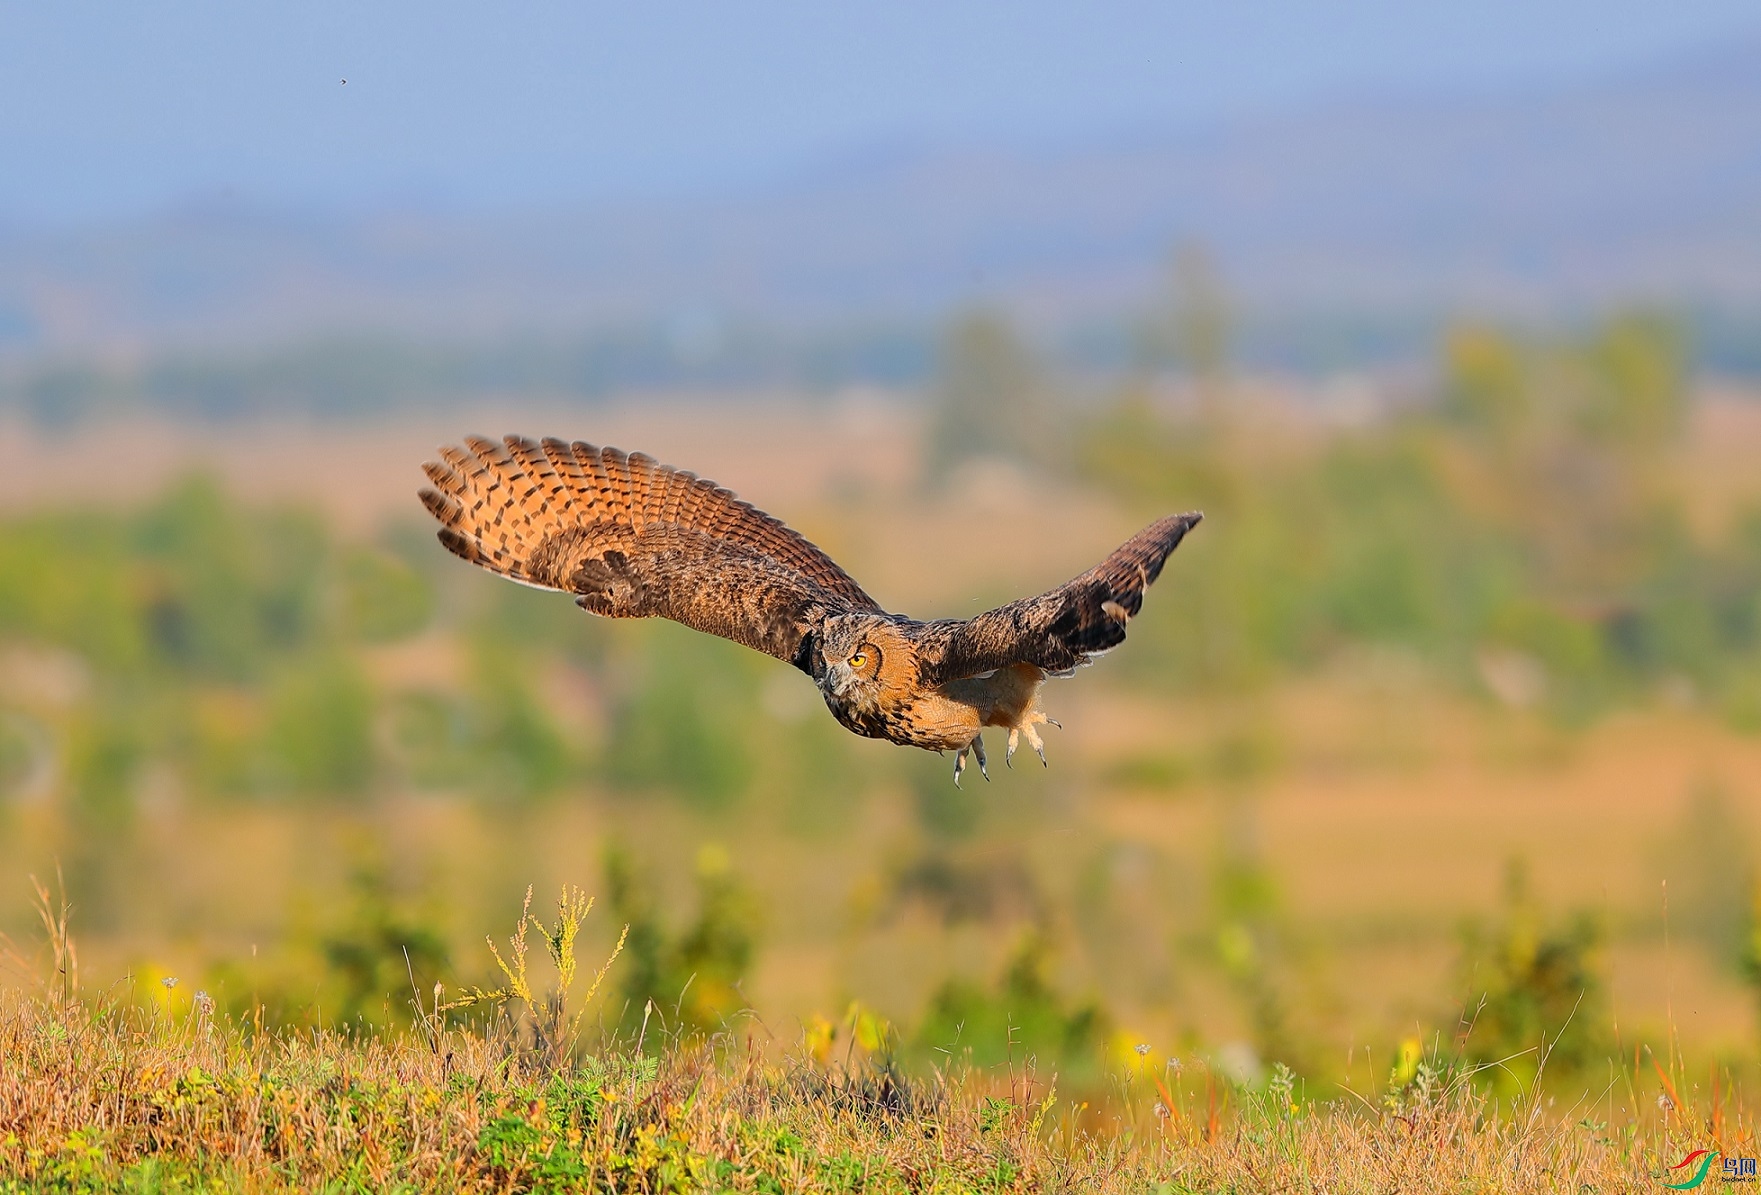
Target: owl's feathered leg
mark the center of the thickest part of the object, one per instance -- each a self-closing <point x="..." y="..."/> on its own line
<point x="976" y="746"/>
<point x="1026" y="727"/>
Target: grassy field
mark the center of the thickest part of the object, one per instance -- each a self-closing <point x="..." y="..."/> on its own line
<point x="138" y="1090"/>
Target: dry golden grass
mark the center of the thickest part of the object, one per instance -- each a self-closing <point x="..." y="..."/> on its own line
<point x="117" y="1093"/>
<point x="128" y="1098"/>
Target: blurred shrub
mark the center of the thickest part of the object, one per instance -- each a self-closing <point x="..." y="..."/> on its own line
<point x="320" y="728"/>
<point x="361" y="952"/>
<point x="947" y="812"/>
<point x="1253" y="943"/>
<point x="688" y="979"/>
<point x="381" y="954"/>
<point x="1749" y="961"/>
<point x="809" y="766"/>
<point x="1536" y="995"/>
<point x="66" y="580"/>
<point x="214" y="644"/>
<point x="21" y="747"/>
<point x="226" y="590"/>
<point x="963" y="884"/>
<point x="684" y="717"/>
<point x="383" y="598"/>
<point x="496" y="740"/>
<point x="1018" y="1018"/>
<point x="516" y="748"/>
<point x="105" y="748"/>
<point x="1708" y="865"/>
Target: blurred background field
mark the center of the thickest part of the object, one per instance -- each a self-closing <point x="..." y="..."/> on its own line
<point x="1445" y="725"/>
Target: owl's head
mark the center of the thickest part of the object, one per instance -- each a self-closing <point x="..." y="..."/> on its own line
<point x="854" y="648"/>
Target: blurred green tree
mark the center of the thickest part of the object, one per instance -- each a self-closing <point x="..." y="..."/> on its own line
<point x="1190" y="327"/>
<point x="992" y="398"/>
<point x="1531" y="515"/>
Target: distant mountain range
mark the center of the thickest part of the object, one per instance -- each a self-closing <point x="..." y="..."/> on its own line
<point x="1383" y="211"/>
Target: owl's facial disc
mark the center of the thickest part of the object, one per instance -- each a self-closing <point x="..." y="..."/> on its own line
<point x="849" y="661"/>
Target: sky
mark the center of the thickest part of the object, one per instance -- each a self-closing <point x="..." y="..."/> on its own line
<point x="115" y="109"/>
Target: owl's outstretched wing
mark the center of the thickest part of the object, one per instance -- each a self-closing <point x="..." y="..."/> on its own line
<point x="1063" y="628"/>
<point x="633" y="538"/>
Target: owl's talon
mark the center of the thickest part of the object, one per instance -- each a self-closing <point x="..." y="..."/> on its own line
<point x="976" y="748"/>
<point x="1026" y="728"/>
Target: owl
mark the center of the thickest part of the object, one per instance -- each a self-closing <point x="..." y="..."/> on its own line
<point x="632" y="538"/>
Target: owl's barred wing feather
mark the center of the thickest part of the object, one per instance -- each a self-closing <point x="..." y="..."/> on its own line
<point x="633" y="538"/>
<point x="1063" y="628"/>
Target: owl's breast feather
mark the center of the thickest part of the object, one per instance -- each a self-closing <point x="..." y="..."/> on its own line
<point x="949" y="716"/>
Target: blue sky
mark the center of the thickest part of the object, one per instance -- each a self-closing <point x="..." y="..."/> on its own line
<point x="116" y="108"/>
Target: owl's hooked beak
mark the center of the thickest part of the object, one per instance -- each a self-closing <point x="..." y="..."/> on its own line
<point x="838" y="677"/>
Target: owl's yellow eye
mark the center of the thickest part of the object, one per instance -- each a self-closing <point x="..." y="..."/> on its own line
<point x="859" y="660"/>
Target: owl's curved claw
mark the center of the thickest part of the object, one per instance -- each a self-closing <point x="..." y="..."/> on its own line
<point x="976" y="747"/>
<point x="1026" y="727"/>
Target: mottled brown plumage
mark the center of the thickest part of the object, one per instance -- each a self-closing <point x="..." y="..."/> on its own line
<point x="633" y="538"/>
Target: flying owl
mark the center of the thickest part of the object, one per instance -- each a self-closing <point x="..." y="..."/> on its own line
<point x="632" y="538"/>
